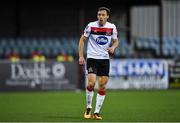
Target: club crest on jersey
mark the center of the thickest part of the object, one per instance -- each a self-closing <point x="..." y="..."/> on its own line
<point x="102" y="40"/>
<point x="108" y="33"/>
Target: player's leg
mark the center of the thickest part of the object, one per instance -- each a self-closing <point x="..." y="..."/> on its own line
<point x="100" y="96"/>
<point x="103" y="73"/>
<point x="89" y="95"/>
<point x="90" y="87"/>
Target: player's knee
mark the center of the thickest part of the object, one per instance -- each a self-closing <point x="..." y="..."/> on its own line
<point x="103" y="82"/>
<point x="102" y="86"/>
<point x="91" y="83"/>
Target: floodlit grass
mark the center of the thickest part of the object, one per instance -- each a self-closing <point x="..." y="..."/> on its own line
<point x="126" y="106"/>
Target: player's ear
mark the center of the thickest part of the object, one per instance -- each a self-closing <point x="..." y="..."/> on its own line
<point x="107" y="16"/>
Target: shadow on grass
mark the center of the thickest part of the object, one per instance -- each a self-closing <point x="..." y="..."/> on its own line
<point x="64" y="118"/>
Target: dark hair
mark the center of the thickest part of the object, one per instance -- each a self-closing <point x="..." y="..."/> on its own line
<point x="106" y="9"/>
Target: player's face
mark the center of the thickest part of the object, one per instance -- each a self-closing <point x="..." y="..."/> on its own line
<point x="102" y="17"/>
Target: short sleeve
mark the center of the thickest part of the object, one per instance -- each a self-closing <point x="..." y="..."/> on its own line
<point x="114" y="35"/>
<point x="87" y="31"/>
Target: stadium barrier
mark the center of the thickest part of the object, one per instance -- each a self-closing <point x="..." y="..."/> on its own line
<point x="138" y="74"/>
<point x="124" y="74"/>
<point x="29" y="75"/>
<point x="174" y="77"/>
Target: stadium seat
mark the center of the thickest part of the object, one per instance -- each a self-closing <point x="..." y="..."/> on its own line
<point x="51" y="47"/>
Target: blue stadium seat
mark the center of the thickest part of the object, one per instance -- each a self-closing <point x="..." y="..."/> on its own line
<point x="4" y="42"/>
<point x="139" y="44"/>
<point x="172" y="47"/>
<point x="24" y="52"/>
<point x="34" y="43"/>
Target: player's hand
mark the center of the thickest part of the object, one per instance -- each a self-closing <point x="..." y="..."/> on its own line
<point x="111" y="50"/>
<point x="81" y="60"/>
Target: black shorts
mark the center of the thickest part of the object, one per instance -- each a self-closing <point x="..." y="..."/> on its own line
<point x="100" y="67"/>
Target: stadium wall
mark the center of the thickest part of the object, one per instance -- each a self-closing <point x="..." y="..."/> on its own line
<point x="171" y="18"/>
<point x="144" y="22"/>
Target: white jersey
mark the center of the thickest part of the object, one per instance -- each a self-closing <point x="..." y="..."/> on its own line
<point x="99" y="39"/>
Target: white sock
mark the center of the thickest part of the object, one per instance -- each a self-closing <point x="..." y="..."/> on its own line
<point x="99" y="102"/>
<point x="89" y="97"/>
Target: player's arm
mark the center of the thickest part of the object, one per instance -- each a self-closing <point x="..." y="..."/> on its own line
<point x="81" y="44"/>
<point x="114" y="45"/>
<point x="81" y="49"/>
<point x="115" y="41"/>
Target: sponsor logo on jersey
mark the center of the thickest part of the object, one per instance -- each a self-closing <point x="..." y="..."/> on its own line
<point x="102" y="40"/>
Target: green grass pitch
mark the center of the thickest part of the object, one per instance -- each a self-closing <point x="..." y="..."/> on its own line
<point x="131" y="106"/>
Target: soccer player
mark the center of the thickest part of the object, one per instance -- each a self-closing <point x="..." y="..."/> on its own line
<point x="102" y="41"/>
